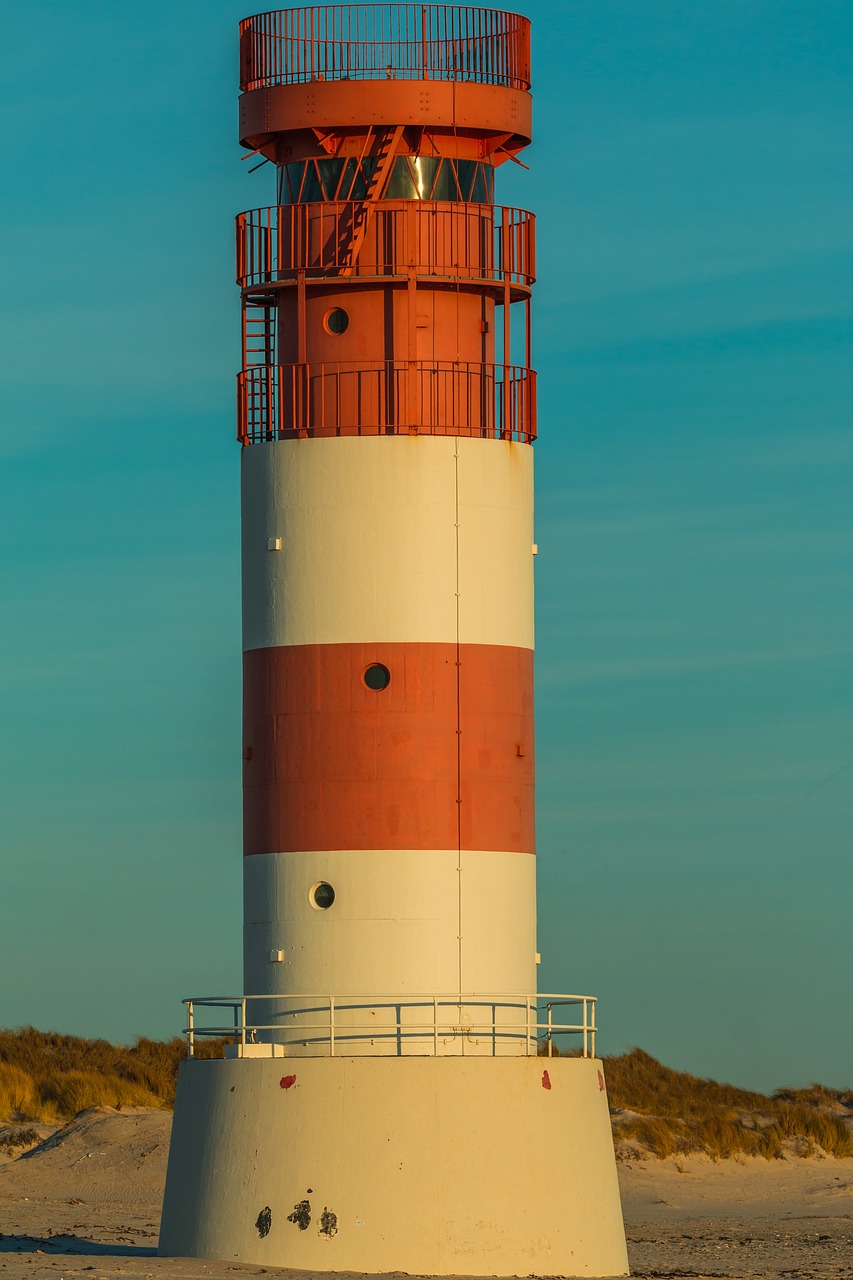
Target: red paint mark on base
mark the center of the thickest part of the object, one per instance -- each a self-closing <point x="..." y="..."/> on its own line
<point x="546" y="1080"/>
<point x="600" y="1083"/>
<point x="287" y="1082"/>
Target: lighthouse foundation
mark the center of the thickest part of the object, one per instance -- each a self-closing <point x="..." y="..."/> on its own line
<point x="432" y="1166"/>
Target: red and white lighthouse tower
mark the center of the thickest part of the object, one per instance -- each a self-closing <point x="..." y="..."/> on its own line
<point x="382" y="1106"/>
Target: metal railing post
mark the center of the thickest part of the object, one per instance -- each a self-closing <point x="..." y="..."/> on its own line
<point x="331" y="1026"/>
<point x="527" y="1045"/>
<point x="243" y="1022"/>
<point x="550" y="1024"/>
<point x="592" y="1037"/>
<point x="271" y="425"/>
<point x="435" y="1025"/>
<point x="190" y="1030"/>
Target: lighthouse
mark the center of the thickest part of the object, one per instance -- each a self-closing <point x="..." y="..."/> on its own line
<point x="395" y="1095"/>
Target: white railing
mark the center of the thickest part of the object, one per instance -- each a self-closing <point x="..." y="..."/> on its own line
<point x="393" y="1025"/>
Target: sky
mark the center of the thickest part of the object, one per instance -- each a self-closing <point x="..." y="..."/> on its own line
<point x="691" y="175"/>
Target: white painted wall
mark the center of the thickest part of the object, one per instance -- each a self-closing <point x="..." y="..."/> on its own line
<point x="368" y="530"/>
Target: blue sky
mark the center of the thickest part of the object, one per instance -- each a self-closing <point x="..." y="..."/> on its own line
<point x="691" y="174"/>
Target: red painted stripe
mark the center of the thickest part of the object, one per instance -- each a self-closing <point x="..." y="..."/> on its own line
<point x="331" y="764"/>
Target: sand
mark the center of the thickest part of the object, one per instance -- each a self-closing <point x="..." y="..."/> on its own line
<point x="86" y="1203"/>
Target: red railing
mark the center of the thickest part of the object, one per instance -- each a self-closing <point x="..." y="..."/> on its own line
<point x="279" y="402"/>
<point x="385" y="41"/>
<point x="459" y="241"/>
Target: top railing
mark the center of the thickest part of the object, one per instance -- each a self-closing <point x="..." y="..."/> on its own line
<point x="385" y="41"/>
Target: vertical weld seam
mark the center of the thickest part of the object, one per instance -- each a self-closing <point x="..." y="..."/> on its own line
<point x="458" y="726"/>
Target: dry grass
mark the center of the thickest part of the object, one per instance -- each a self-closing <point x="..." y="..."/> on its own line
<point x="17" y="1140"/>
<point x="664" y="1113"/>
<point x="817" y="1095"/>
<point x="47" y="1077"/>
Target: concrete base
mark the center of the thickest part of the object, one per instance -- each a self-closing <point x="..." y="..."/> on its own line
<point x="433" y="1166"/>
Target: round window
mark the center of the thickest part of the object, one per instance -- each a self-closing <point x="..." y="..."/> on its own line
<point x="377" y="676"/>
<point x="322" y="896"/>
<point x="336" y="320"/>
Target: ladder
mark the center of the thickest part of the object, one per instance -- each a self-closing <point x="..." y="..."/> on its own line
<point x="352" y="236"/>
<point x="259" y="313"/>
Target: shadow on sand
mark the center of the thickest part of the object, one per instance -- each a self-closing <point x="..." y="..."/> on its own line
<point x="66" y="1244"/>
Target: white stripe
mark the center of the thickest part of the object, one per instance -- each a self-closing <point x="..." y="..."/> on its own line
<point x="355" y="539"/>
<point x="395" y="924"/>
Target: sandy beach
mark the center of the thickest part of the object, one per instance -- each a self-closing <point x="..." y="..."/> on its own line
<point x="86" y="1202"/>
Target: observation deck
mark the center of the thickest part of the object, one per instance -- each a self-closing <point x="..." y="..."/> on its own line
<point x="386" y="397"/>
<point x="385" y="41"/>
<point x="460" y="72"/>
<point x="483" y="245"/>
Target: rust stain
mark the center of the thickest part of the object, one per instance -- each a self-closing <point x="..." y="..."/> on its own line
<point x="546" y="1080"/>
<point x="287" y="1082"/>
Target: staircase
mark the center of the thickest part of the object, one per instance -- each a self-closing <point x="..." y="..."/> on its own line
<point x="352" y="235"/>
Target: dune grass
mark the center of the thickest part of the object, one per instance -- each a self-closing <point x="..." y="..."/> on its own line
<point x="673" y="1113"/>
<point x="16" y="1140"/>
<point x="47" y="1077"/>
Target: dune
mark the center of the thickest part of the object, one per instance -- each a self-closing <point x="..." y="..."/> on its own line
<point x="103" y="1156"/>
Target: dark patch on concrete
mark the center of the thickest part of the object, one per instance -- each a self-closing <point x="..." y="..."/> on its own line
<point x="264" y="1222"/>
<point x="328" y="1223"/>
<point x="546" y="1080"/>
<point x="301" y="1215"/>
<point x="287" y="1082"/>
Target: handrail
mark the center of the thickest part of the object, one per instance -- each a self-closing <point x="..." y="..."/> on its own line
<point x="475" y="242"/>
<point x="385" y="41"/>
<point x="334" y="1035"/>
<point x="373" y="397"/>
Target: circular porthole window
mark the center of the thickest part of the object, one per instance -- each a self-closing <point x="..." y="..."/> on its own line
<point x="322" y="895"/>
<point x="377" y="676"/>
<point x="336" y="320"/>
